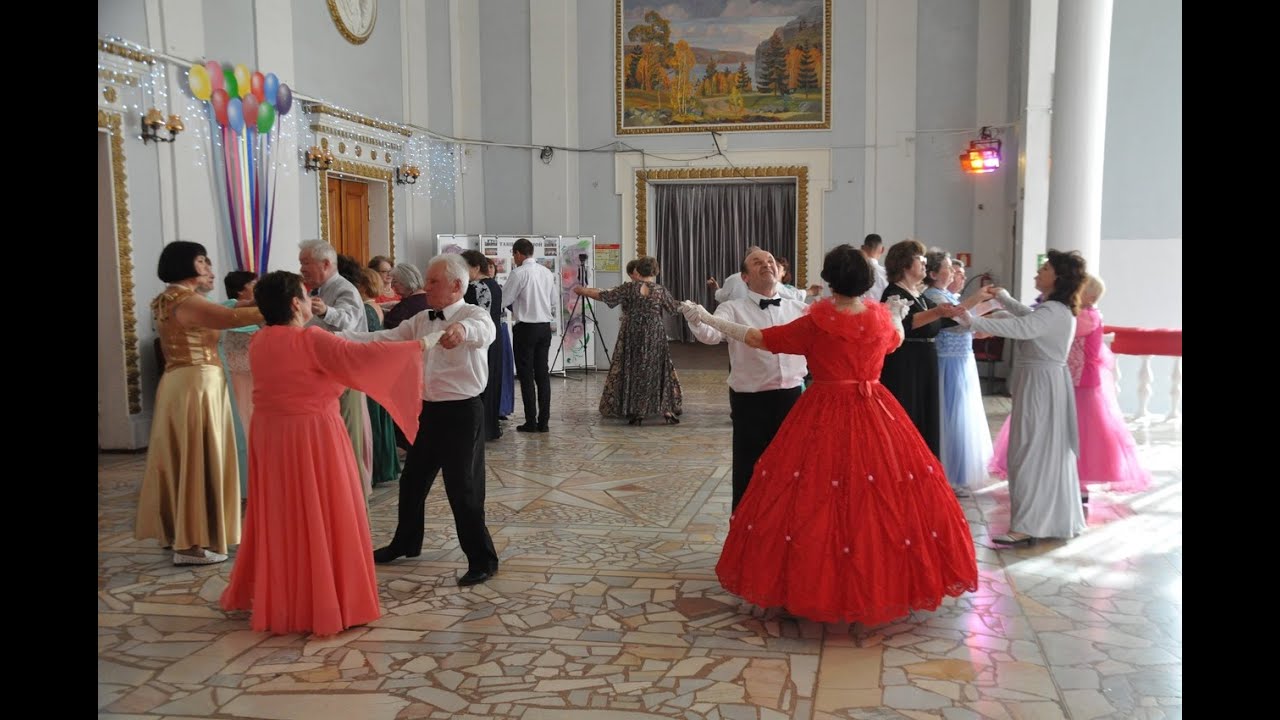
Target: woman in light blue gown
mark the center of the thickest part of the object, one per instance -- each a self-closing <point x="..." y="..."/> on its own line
<point x="966" y="441"/>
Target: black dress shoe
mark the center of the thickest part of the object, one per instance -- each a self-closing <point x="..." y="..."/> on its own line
<point x="527" y="427"/>
<point x="474" y="577"/>
<point x="390" y="554"/>
<point x="544" y="428"/>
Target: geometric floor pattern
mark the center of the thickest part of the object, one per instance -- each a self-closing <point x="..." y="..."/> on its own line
<point x="607" y="605"/>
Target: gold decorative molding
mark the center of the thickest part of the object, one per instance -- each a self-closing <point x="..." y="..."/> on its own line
<point x="123" y="51"/>
<point x="322" y="109"/>
<point x="799" y="173"/>
<point x="113" y="123"/>
<point x="619" y="81"/>
<point x="118" y="78"/>
<point x="109" y="94"/>
<point x="367" y="172"/>
<point x="342" y="148"/>
<point x="348" y="135"/>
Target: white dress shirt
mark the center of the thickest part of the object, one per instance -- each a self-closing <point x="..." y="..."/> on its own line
<point x="753" y="370"/>
<point x="456" y="374"/>
<point x="734" y="288"/>
<point x="792" y="293"/>
<point x="345" y="309"/>
<point x="879" y="284"/>
<point x="530" y="292"/>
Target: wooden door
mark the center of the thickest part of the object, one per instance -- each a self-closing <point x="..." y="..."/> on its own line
<point x="348" y="202"/>
<point x="355" y="220"/>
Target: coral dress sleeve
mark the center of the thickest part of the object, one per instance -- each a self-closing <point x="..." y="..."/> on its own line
<point x="389" y="372"/>
<point x="794" y="338"/>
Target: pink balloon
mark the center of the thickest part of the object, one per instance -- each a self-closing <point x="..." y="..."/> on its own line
<point x="216" y="80"/>
<point x="219" y="99"/>
<point x="251" y="104"/>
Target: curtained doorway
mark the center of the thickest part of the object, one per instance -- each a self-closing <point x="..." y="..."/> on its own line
<point x="703" y="229"/>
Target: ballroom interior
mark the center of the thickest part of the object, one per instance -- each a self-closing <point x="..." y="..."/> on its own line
<point x="419" y="126"/>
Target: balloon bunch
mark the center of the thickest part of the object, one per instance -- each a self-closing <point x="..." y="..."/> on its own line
<point x="244" y="106"/>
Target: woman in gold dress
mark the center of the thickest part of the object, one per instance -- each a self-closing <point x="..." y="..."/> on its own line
<point x="190" y="497"/>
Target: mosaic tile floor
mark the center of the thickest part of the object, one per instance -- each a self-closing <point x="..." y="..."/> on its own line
<point x="607" y="605"/>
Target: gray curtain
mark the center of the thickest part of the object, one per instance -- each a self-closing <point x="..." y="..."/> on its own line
<point x="703" y="230"/>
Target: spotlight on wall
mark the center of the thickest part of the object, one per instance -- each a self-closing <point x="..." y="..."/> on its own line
<point x="317" y="159"/>
<point x="154" y="121"/>
<point x="983" y="155"/>
<point x="407" y="174"/>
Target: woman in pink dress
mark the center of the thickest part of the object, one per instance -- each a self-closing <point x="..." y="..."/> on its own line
<point x="306" y="557"/>
<point x="1108" y="454"/>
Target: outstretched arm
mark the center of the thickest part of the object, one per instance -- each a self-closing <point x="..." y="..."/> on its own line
<point x="696" y="314"/>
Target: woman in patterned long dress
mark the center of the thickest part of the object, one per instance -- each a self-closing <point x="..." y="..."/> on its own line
<point x="1044" y="482"/>
<point x="190" y="498"/>
<point x="848" y="516"/>
<point x="306" y="563"/>
<point x="966" y="439"/>
<point x="642" y="381"/>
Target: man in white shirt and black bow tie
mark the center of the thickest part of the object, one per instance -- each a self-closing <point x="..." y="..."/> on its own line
<point x="451" y="426"/>
<point x="762" y="386"/>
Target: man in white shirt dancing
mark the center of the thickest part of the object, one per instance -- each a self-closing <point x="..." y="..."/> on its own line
<point x="530" y="292"/>
<point x="872" y="248"/>
<point x="762" y="386"/>
<point x="451" y="426"/>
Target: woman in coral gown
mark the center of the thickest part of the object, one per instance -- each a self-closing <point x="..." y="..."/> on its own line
<point x="848" y="516"/>
<point x="306" y="557"/>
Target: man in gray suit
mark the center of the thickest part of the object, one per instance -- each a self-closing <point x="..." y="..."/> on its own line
<point x="336" y="306"/>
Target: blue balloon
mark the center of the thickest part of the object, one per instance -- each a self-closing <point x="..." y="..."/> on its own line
<point x="270" y="86"/>
<point x="284" y="100"/>
<point x="235" y="115"/>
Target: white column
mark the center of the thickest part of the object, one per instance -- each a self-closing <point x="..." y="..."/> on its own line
<point x="1079" y="127"/>
<point x="275" y="54"/>
<point x="992" y="240"/>
<point x="416" y="242"/>
<point x="553" y="78"/>
<point x="890" y="194"/>
<point x="464" y="47"/>
<point x="1033" y="146"/>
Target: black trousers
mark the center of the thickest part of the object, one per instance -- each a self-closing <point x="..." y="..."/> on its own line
<point x="492" y="395"/>
<point x="531" y="343"/>
<point x="450" y="439"/>
<point x="756" y="419"/>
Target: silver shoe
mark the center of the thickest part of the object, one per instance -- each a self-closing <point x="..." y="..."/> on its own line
<point x="209" y="558"/>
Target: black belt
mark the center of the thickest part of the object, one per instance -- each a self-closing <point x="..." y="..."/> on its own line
<point x="920" y="340"/>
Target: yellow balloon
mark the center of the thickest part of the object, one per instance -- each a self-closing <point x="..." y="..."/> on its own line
<point x="198" y="81"/>
<point x="242" y="80"/>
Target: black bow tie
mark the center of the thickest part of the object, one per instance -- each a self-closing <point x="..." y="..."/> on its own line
<point x="764" y="304"/>
<point x="435" y="314"/>
<point x="315" y="293"/>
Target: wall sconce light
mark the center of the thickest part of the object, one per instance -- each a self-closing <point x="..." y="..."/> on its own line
<point x="317" y="159"/>
<point x="407" y="174"/>
<point x="983" y="155"/>
<point x="152" y="123"/>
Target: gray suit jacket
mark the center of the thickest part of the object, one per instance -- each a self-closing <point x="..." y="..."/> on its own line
<point x="346" y="309"/>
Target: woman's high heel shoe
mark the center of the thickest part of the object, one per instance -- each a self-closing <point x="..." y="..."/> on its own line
<point x="636" y="420"/>
<point x="671" y="419"/>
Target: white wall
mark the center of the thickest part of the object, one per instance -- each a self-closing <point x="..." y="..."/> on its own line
<point x="1142" y="182"/>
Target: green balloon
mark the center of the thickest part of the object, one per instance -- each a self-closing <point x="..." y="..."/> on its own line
<point x="266" y="116"/>
<point x="233" y="90"/>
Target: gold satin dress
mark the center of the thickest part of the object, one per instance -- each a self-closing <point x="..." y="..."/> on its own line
<point x="191" y="489"/>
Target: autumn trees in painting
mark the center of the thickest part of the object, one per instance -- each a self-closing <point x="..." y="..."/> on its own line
<point x="701" y="72"/>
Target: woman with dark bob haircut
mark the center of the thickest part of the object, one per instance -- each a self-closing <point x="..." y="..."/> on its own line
<point x="190" y="498"/>
<point x="1044" y="485"/>
<point x="848" y="516"/>
<point x="306" y="563"/>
